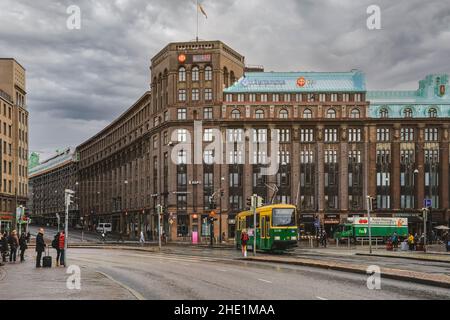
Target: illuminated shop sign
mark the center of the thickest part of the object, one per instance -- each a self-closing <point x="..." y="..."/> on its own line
<point x="303" y="82"/>
<point x="247" y="82"/>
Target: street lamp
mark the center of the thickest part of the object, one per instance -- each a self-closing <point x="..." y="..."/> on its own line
<point x="425" y="214"/>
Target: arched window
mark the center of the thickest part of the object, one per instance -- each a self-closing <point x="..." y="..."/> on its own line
<point x="432" y="113"/>
<point x="182" y="74"/>
<point x="225" y="77"/>
<point x="307" y="114"/>
<point x="331" y="114"/>
<point x="195" y="73"/>
<point x="384" y="113"/>
<point x="407" y="113"/>
<point x="208" y="73"/>
<point x="283" y="114"/>
<point x="354" y="114"/>
<point x="232" y="78"/>
<point x="235" y="114"/>
<point x="259" y="114"/>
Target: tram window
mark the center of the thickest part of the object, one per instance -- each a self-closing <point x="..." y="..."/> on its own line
<point x="249" y="221"/>
<point x="283" y="217"/>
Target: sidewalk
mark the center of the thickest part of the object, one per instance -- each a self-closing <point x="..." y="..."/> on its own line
<point x="22" y="281"/>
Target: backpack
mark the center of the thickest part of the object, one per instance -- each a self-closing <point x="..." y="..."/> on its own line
<point x="245" y="237"/>
<point x="55" y="242"/>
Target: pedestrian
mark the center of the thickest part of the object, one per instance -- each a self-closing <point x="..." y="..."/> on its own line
<point x="121" y="236"/>
<point x="410" y="242"/>
<point x="61" y="243"/>
<point x="55" y="245"/>
<point x="395" y="240"/>
<point x="40" y="247"/>
<point x="23" y="246"/>
<point x="244" y="240"/>
<point x="28" y="237"/>
<point x="224" y="237"/>
<point x="141" y="238"/>
<point x="149" y="234"/>
<point x="13" y="241"/>
<point x="4" y="246"/>
<point x="324" y="239"/>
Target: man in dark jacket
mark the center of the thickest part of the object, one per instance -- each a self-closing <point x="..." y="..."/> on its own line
<point x="40" y="247"/>
<point x="4" y="246"/>
<point x="23" y="246"/>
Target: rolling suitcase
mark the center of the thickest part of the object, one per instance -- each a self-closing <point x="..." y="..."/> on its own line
<point x="47" y="260"/>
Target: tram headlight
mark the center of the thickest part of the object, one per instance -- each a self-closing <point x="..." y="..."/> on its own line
<point x="294" y="238"/>
<point x="277" y="238"/>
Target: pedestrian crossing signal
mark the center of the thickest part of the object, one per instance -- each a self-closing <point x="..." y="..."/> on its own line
<point x="373" y="202"/>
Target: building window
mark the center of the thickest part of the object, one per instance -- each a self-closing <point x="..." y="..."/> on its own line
<point x="240" y="97"/>
<point x="283" y="114"/>
<point x="207" y="113"/>
<point x="432" y="113"/>
<point x="283" y="135"/>
<point x="331" y="114"/>
<point x="275" y="97"/>
<point x="228" y="97"/>
<point x="234" y="135"/>
<point x="208" y="73"/>
<point x="263" y="97"/>
<point x="195" y="94"/>
<point x="345" y="97"/>
<point x="355" y="114"/>
<point x="252" y="97"/>
<point x="407" y="134"/>
<point x="195" y="73"/>
<point x="259" y="114"/>
<point x="354" y="135"/>
<point x="235" y="114"/>
<point x="182" y="95"/>
<point x="384" y="113"/>
<point x="306" y="135"/>
<point x="208" y="135"/>
<point x="181" y="114"/>
<point x="182" y="135"/>
<point x="208" y="156"/>
<point x="334" y="97"/>
<point x="322" y="97"/>
<point x="383" y="134"/>
<point x="331" y="135"/>
<point x="208" y="94"/>
<point x="407" y="113"/>
<point x="357" y="97"/>
<point x="182" y="74"/>
<point x="431" y="134"/>
<point x="307" y="114"/>
<point x="287" y="97"/>
<point x="182" y="157"/>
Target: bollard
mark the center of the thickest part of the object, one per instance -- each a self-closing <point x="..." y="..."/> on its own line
<point x="376" y="243"/>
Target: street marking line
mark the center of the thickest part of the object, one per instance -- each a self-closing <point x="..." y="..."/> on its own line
<point x="223" y="270"/>
<point x="265" y="280"/>
<point x="320" y="298"/>
<point x="132" y="291"/>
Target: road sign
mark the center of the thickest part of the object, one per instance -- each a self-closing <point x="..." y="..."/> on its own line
<point x="427" y="203"/>
<point x="170" y="221"/>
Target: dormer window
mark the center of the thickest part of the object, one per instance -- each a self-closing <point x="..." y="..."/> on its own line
<point x="407" y="113"/>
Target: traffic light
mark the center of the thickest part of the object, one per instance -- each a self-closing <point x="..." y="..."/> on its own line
<point x="373" y="203"/>
<point x="212" y="204"/>
<point x="248" y="202"/>
<point x="69" y="196"/>
<point x="259" y="201"/>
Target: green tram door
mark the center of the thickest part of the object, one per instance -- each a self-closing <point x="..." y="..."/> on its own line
<point x="265" y="241"/>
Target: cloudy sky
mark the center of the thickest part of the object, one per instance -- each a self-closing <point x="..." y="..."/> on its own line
<point x="79" y="80"/>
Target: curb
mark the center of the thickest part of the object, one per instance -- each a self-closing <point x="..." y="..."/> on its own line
<point x="401" y="257"/>
<point x="136" y="294"/>
<point x="384" y="273"/>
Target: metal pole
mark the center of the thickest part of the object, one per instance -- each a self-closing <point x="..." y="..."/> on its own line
<point x="159" y="226"/>
<point x="425" y="230"/>
<point x="369" y="199"/>
<point x="66" y="229"/>
<point x="254" y="223"/>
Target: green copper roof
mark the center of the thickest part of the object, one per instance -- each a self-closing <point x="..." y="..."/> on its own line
<point x="54" y="161"/>
<point x="433" y="93"/>
<point x="290" y="82"/>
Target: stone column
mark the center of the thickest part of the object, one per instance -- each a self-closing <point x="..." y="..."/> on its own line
<point x="420" y="166"/>
<point x="395" y="168"/>
<point x="343" y="171"/>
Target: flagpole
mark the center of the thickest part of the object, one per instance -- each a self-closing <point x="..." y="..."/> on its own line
<point x="196" y="8"/>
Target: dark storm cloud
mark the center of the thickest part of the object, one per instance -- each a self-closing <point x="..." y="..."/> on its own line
<point x="78" y="81"/>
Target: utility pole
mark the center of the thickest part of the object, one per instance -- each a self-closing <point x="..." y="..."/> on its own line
<point x="68" y="197"/>
<point x="369" y="205"/>
<point x="253" y="203"/>
<point x="159" y="209"/>
<point x="425" y="214"/>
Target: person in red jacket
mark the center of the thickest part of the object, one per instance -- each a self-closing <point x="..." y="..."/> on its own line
<point x="62" y="240"/>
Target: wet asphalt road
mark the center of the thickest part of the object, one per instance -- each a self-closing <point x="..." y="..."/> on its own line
<point x="196" y="275"/>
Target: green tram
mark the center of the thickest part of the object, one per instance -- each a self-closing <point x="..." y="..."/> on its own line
<point x="276" y="227"/>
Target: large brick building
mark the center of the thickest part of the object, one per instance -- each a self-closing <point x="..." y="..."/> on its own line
<point x="337" y="143"/>
<point x="13" y="141"/>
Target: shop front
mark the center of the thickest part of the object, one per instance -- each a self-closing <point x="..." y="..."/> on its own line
<point x="415" y="221"/>
<point x="330" y="223"/>
<point x="6" y="220"/>
<point x="306" y="224"/>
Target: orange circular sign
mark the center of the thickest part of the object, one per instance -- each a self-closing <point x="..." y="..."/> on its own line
<point x="181" y="58"/>
<point x="301" y="82"/>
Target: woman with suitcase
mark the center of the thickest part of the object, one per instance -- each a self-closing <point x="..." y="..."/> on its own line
<point x="40" y="247"/>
